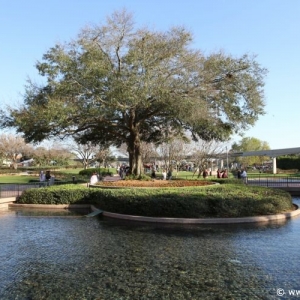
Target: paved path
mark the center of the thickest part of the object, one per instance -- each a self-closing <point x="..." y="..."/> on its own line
<point x="115" y="177"/>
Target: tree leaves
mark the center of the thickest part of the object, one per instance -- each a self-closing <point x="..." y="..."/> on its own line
<point x="117" y="84"/>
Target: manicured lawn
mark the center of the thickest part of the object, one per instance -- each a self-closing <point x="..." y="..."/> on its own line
<point x="17" y="178"/>
<point x="27" y="178"/>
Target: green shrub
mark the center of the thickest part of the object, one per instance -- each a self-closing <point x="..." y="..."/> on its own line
<point x="66" y="194"/>
<point x="224" y="200"/>
<point x="101" y="171"/>
<point x="138" y="177"/>
<point x="288" y="162"/>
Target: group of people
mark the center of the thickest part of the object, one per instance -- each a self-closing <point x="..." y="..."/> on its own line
<point x="45" y="176"/>
<point x="222" y="173"/>
<point x="122" y="171"/>
<point x="166" y="175"/>
<point x="241" y="174"/>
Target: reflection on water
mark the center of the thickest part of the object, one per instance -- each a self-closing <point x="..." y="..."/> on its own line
<point x="73" y="257"/>
<point x="39" y="212"/>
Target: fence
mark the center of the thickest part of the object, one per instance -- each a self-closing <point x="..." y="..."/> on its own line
<point x="8" y="190"/>
<point x="274" y="181"/>
<point x="15" y="189"/>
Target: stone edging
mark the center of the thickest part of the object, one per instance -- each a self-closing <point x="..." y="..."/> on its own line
<point x="4" y="202"/>
<point x="256" y="219"/>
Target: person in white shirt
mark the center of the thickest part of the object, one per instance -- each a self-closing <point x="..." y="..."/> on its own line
<point x="42" y="176"/>
<point x="94" y="179"/>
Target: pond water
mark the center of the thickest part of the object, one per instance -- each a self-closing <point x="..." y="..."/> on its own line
<point x="48" y="255"/>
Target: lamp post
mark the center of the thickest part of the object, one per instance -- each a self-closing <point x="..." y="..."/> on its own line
<point x="227" y="159"/>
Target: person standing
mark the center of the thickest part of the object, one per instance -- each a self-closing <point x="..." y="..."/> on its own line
<point x="225" y="174"/>
<point x="153" y="174"/>
<point x="164" y="174"/>
<point x="48" y="175"/>
<point x="244" y="176"/>
<point x="94" y="179"/>
<point x="42" y="176"/>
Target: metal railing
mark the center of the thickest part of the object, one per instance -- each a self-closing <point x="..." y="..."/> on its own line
<point x="8" y="190"/>
<point x="274" y="181"/>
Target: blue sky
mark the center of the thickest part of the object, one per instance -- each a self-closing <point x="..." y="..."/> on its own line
<point x="269" y="29"/>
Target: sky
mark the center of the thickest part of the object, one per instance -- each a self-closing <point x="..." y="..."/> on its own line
<point x="269" y="29"/>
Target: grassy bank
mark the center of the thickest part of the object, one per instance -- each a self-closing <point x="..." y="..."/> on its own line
<point x="21" y="179"/>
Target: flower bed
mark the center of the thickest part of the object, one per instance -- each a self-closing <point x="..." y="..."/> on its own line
<point x="154" y="183"/>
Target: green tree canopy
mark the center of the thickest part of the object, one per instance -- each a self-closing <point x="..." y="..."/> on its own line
<point x="250" y="144"/>
<point x="117" y="84"/>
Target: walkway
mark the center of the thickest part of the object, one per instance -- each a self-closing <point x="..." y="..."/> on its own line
<point x="115" y="177"/>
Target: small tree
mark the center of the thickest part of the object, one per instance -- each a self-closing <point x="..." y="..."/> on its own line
<point x="104" y="156"/>
<point x="250" y="144"/>
<point x="173" y="151"/>
<point x="149" y="152"/>
<point x="51" y="154"/>
<point x="90" y="153"/>
<point x="13" y="148"/>
<point x="204" y="152"/>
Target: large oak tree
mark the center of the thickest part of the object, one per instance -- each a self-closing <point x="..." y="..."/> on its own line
<point x="116" y="83"/>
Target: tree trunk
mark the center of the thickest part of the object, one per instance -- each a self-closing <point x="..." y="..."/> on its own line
<point x="135" y="156"/>
<point x="85" y="164"/>
<point x="14" y="162"/>
<point x="138" y="160"/>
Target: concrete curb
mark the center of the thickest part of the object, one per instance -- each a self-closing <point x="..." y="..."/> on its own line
<point x="5" y="202"/>
<point x="256" y="219"/>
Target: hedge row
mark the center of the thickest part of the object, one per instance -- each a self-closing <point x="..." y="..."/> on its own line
<point x="288" y="162"/>
<point x="101" y="171"/>
<point x="190" y="202"/>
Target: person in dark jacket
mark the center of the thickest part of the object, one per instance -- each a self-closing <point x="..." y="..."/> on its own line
<point x="205" y="173"/>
